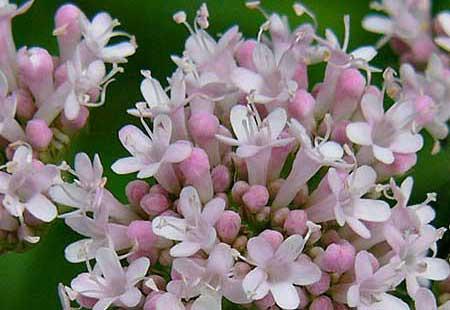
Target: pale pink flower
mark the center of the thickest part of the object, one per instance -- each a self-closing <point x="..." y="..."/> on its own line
<point x="152" y="154"/>
<point x="278" y="271"/>
<point x="208" y="279"/>
<point x="385" y="133"/>
<point x="345" y="204"/>
<point x="369" y="291"/>
<point x="255" y="139"/>
<point x="110" y="283"/>
<point x="196" y="230"/>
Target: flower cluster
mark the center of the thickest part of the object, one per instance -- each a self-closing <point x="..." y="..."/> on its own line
<point x="44" y="101"/>
<point x="257" y="187"/>
<point x="269" y="191"/>
<point x="423" y="44"/>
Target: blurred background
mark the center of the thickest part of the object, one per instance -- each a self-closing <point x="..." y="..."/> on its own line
<point x="30" y="280"/>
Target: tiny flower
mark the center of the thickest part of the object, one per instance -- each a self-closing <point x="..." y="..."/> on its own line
<point x="385" y="133"/>
<point x="277" y="271"/>
<point x="110" y="283"/>
<point x="196" y="230"/>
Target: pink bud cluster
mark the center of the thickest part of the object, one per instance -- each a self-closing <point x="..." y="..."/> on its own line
<point x="44" y="97"/>
<point x="259" y="187"/>
<point x="44" y="101"/>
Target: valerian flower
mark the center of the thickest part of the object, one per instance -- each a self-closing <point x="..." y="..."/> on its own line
<point x="110" y="283"/>
<point x="277" y="271"/>
<point x="196" y="230"/>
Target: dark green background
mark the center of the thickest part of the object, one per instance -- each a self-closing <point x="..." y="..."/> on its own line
<point x="28" y="281"/>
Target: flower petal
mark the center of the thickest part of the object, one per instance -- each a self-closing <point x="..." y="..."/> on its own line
<point x="406" y="142"/>
<point x="285" y="295"/>
<point x="169" y="227"/>
<point x="213" y="210"/>
<point x="131" y="297"/>
<point x="305" y="273"/>
<point x="290" y="249"/>
<point x="259" y="250"/>
<point x="359" y="133"/>
<point x="126" y="165"/>
<point x="372" y="210"/>
<point x="378" y="24"/>
<point x="437" y="269"/>
<point x="184" y="249"/>
<point x="383" y="154"/>
<point x="255" y="284"/>
<point x="42" y="208"/>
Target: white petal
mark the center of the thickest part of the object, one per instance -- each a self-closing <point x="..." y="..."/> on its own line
<point x="443" y="42"/>
<point x="153" y="92"/>
<point x="206" y="302"/>
<point x="363" y="266"/>
<point x="285" y="295"/>
<point x="169" y="302"/>
<point x="134" y="140"/>
<point x="103" y="303"/>
<point x="126" y="165"/>
<point x="184" y="249"/>
<point x="425" y="300"/>
<point x="406" y="143"/>
<point x="366" y="53"/>
<point x="358" y="227"/>
<point x="177" y="152"/>
<point x="359" y="133"/>
<point x="290" y="249"/>
<point x="263" y="59"/>
<point x="42" y="208"/>
<point x="137" y="270"/>
<point x="239" y="117"/>
<point x="259" y="250"/>
<point x="213" y="210"/>
<point x="169" y="227"/>
<point x="190" y="204"/>
<point x="362" y="179"/>
<point x="71" y="106"/>
<point x="372" y="107"/>
<point x="255" y="284"/>
<point x="437" y="269"/>
<point x="109" y="264"/>
<point x="444" y="21"/>
<point x="305" y="273"/>
<point x="383" y="154"/>
<point x="118" y="52"/>
<point x="246" y="150"/>
<point x="247" y="80"/>
<point x="372" y="210"/>
<point x="78" y="251"/>
<point x="390" y="302"/>
<point x="331" y="150"/>
<point x="276" y="121"/>
<point x="131" y="297"/>
<point x="378" y="24"/>
<point x="353" y="296"/>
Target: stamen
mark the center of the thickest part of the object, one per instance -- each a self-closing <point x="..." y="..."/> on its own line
<point x="300" y="9"/>
<point x="346" y="32"/>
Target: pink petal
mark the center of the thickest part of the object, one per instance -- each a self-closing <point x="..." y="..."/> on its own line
<point x="178" y="152"/>
<point x="213" y="210"/>
<point x="437" y="269"/>
<point x="131" y="297"/>
<point x="110" y="266"/>
<point x="259" y="250"/>
<point x="372" y="210"/>
<point x="358" y="227"/>
<point x="184" y="249"/>
<point x="137" y="270"/>
<point x="305" y="273"/>
<point x="383" y="154"/>
<point x="406" y="143"/>
<point x="363" y="266"/>
<point x="42" y="208"/>
<point x="126" y="165"/>
<point x="290" y="249"/>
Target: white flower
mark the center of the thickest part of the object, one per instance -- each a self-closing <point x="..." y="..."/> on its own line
<point x="196" y="230"/>
<point x="110" y="283"/>
<point x="97" y="35"/>
<point x="385" y="133"/>
<point x="278" y="271"/>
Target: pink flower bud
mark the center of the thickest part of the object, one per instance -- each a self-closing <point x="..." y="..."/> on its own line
<point x="36" y="71"/>
<point x="228" y="226"/>
<point x="263" y="216"/>
<point x="67" y="29"/>
<point x="221" y="178"/>
<point x="338" y="257"/>
<point x="302" y="105"/>
<point x="142" y="233"/>
<point x="321" y="286"/>
<point x="302" y="196"/>
<point x="265" y="303"/>
<point x="158" y="189"/>
<point x="60" y="74"/>
<point x="303" y="296"/>
<point x="238" y="190"/>
<point x="274" y="237"/>
<point x="422" y="49"/>
<point x="240" y="243"/>
<point x="203" y="126"/>
<point x="256" y="198"/>
<point x="274" y="187"/>
<point x="295" y="222"/>
<point x="425" y="110"/>
<point x="38" y="133"/>
<point x="25" y="105"/>
<point x="279" y="216"/>
<point x="135" y="190"/>
<point x="321" y="303"/>
<point x="154" y="204"/>
<point x="350" y="84"/>
<point x="195" y="169"/>
<point x="244" y="54"/>
<point x="240" y="270"/>
<point x="78" y="123"/>
<point x="165" y="258"/>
